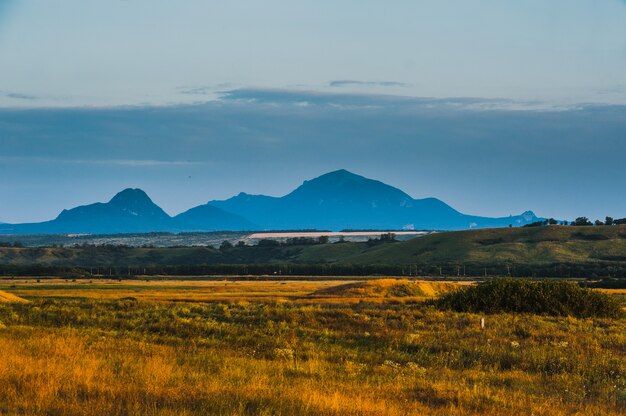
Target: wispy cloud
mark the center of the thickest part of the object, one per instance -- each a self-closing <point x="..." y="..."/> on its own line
<point x="351" y="82"/>
<point x="615" y="89"/>
<point x="354" y="101"/>
<point x="196" y="90"/>
<point x="103" y="162"/>
<point x="147" y="163"/>
<point x="18" y="95"/>
<point x="205" y="89"/>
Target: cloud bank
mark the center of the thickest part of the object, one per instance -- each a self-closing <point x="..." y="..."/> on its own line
<point x="489" y="157"/>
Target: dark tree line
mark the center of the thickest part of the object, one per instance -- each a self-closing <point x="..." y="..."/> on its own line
<point x="448" y="270"/>
<point x="578" y="222"/>
<point x="15" y="244"/>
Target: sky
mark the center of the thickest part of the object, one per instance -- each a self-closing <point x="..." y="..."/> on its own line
<point x="494" y="106"/>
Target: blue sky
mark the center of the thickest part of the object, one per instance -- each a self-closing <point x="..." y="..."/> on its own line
<point x="92" y="52"/>
<point x="199" y="100"/>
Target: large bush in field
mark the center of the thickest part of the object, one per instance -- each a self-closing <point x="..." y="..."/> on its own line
<point x="543" y="297"/>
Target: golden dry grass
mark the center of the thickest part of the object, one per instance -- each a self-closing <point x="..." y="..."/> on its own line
<point x="167" y="290"/>
<point x="384" y="290"/>
<point x="6" y="297"/>
<point x="331" y="291"/>
<point x="124" y="377"/>
<point x="388" y="288"/>
<point x="248" y="356"/>
<point x="614" y="291"/>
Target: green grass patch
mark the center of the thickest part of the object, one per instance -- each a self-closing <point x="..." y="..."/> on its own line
<point x="542" y="297"/>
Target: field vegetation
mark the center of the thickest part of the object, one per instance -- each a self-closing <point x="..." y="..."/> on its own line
<point x="245" y="355"/>
<point x="10" y="298"/>
<point x="387" y="288"/>
<point x="547" y="251"/>
<point x="558" y="298"/>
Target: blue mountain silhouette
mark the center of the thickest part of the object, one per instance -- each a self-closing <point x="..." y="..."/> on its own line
<point x="334" y="201"/>
<point x="343" y="200"/>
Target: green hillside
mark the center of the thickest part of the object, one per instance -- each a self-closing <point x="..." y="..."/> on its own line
<point x="551" y="251"/>
<point x="536" y="245"/>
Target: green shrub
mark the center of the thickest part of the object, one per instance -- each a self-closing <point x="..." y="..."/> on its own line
<point x="542" y="297"/>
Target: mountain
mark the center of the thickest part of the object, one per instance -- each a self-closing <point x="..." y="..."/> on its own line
<point x="342" y="200"/>
<point x="210" y="218"/>
<point x="256" y="208"/>
<point x="130" y="211"/>
<point x="334" y="201"/>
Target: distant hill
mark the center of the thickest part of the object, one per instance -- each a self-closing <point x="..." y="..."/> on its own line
<point x="342" y="200"/>
<point x="533" y="245"/>
<point x="209" y="218"/>
<point x="334" y="201"/>
<point x="562" y="251"/>
<point x="130" y="211"/>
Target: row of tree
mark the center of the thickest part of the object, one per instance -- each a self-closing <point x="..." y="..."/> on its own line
<point x="16" y="244"/>
<point x="262" y="271"/>
<point x="584" y="221"/>
<point x="295" y="241"/>
<point x="305" y="241"/>
<point x="578" y="222"/>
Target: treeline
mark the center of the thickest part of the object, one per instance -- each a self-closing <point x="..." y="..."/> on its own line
<point x="576" y="270"/>
<point x="579" y="222"/>
<point x="16" y="244"/>
<point x="305" y="241"/>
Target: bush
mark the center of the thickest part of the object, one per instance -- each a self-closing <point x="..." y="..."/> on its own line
<point x="543" y="297"/>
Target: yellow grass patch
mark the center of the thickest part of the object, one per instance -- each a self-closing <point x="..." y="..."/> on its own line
<point x="305" y="355"/>
<point x="167" y="290"/>
<point x="388" y="288"/>
<point x="10" y="298"/>
<point x="301" y="291"/>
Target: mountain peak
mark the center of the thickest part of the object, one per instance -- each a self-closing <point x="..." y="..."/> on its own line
<point x="336" y="178"/>
<point x="529" y="216"/>
<point x="130" y="195"/>
<point x="342" y="184"/>
<point x="341" y="174"/>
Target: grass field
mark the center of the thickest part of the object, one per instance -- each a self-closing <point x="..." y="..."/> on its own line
<point x="168" y="290"/>
<point x="294" y="347"/>
<point x="232" y="290"/>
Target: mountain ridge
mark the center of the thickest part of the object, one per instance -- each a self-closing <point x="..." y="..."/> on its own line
<point x="320" y="203"/>
<point x="336" y="200"/>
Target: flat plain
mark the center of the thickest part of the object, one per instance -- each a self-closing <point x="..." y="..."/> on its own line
<point x="279" y="347"/>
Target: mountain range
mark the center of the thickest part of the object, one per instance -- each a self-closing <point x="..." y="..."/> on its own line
<point x="335" y="201"/>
